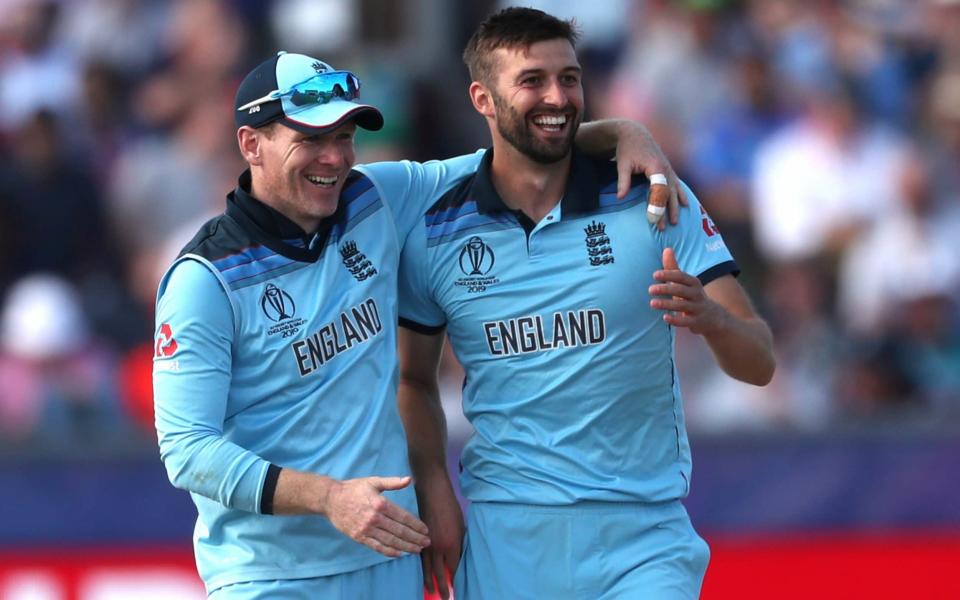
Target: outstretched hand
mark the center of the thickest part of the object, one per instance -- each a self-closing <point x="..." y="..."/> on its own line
<point x="682" y="298"/>
<point x="357" y="508"/>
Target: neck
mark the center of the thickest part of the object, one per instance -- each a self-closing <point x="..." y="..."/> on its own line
<point x="261" y="192"/>
<point x="525" y="184"/>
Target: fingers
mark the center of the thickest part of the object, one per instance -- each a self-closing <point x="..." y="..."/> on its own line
<point x="673" y="207"/>
<point x="679" y="319"/>
<point x="436" y="573"/>
<point x="442" y="574"/>
<point x="674" y="289"/>
<point x="624" y="176"/>
<point x="380" y="547"/>
<point x="679" y="190"/>
<point x="657" y="201"/>
<point x="426" y="561"/>
<point x="392" y="538"/>
<point x="407" y="520"/>
<point x="674" y="304"/>
<point x="669" y="258"/>
<point x="390" y="483"/>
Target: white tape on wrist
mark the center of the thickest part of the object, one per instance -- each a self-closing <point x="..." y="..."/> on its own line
<point x="658" y="179"/>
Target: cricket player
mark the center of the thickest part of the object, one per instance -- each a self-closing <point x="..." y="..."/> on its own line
<point x="561" y="304"/>
<point x="275" y="367"/>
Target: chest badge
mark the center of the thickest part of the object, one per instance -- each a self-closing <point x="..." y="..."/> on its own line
<point x="356" y="262"/>
<point x="598" y="244"/>
<point x="278" y="306"/>
<point x="476" y="260"/>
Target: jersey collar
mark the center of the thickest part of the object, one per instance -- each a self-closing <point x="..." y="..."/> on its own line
<point x="275" y="231"/>
<point x="582" y="193"/>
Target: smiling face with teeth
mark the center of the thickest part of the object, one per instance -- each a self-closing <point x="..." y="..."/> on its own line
<point x="537" y="98"/>
<point x="297" y="174"/>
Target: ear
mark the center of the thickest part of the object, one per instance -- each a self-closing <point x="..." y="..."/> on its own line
<point x="482" y="99"/>
<point x="249" y="140"/>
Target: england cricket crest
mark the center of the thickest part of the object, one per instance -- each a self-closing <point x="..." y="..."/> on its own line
<point x="599" y="251"/>
<point x="356" y="262"/>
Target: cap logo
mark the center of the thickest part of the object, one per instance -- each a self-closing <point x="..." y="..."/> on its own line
<point x="319" y="67"/>
<point x="255" y="109"/>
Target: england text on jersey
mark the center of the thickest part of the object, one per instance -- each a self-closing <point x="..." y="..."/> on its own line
<point x="584" y="327"/>
<point x="354" y="326"/>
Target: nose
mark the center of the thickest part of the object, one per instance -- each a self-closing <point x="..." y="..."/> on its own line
<point x="331" y="154"/>
<point x="555" y="94"/>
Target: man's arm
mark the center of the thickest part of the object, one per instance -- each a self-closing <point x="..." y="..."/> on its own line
<point x="722" y="313"/>
<point x="636" y="152"/>
<point x="424" y="421"/>
<point x="192" y="374"/>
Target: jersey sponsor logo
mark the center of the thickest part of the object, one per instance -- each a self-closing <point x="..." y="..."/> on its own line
<point x="599" y="251"/>
<point x="356" y="262"/>
<point x="476" y="260"/>
<point x="353" y="326"/>
<point x="278" y="306"/>
<point x="164" y="346"/>
<point x="715" y="246"/>
<point x="534" y="333"/>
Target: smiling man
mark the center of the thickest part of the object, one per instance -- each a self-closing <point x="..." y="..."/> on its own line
<point x="275" y="372"/>
<point x="560" y="302"/>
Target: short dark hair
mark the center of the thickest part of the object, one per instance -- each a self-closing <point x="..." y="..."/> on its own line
<point x="513" y="28"/>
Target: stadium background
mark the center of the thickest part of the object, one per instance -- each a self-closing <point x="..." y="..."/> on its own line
<point x="823" y="136"/>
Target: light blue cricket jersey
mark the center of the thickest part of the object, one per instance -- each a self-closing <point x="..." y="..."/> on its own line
<point x="571" y="385"/>
<point x="277" y="349"/>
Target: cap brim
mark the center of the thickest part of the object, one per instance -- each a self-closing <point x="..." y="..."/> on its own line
<point x="326" y="117"/>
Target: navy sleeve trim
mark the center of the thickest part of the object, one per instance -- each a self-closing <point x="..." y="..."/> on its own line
<point x="421" y="328"/>
<point x="269" y="489"/>
<point x="717" y="271"/>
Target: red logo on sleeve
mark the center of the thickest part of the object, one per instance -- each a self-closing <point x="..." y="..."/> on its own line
<point x="164" y="346"/>
<point x="708" y="227"/>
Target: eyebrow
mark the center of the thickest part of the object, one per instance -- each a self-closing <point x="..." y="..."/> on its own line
<point x="567" y="69"/>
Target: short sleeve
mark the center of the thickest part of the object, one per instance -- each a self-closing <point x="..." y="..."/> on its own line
<point x="409" y="188"/>
<point x="697" y="242"/>
<point x="418" y="307"/>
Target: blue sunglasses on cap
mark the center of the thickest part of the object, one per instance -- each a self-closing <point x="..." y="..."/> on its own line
<point x="317" y="89"/>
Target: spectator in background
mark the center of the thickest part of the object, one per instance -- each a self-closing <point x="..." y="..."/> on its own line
<point x="37" y="71"/>
<point x="680" y="44"/>
<point x="809" y="348"/>
<point x="54" y="207"/>
<point x="820" y="181"/>
<point x="58" y="379"/>
<point x="910" y="247"/>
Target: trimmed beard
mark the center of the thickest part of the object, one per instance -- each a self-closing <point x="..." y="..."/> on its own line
<point x="514" y="128"/>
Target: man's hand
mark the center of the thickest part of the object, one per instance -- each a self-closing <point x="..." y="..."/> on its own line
<point x="686" y="303"/>
<point x="638" y="152"/>
<point x="358" y="509"/>
<point x="441" y="511"/>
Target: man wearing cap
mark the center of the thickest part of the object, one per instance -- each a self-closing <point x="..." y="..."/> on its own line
<point x="560" y="303"/>
<point x="275" y="367"/>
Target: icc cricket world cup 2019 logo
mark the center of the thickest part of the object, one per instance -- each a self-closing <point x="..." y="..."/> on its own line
<point x="476" y="261"/>
<point x="276" y="304"/>
<point x="476" y="258"/>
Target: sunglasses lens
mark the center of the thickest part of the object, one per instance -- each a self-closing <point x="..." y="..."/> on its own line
<point x="325" y="87"/>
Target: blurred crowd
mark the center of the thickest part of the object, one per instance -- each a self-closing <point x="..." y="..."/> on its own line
<point x="822" y="136"/>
